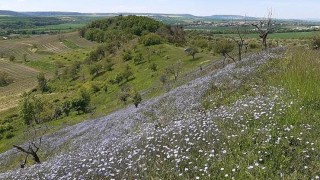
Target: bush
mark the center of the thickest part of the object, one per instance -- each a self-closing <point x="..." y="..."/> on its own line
<point x="127" y="56"/>
<point x="42" y="82"/>
<point x="5" y="79"/>
<point x="9" y="135"/>
<point x="127" y="74"/>
<point x="151" y="39"/>
<point x="31" y="109"/>
<point x="253" y="45"/>
<point x="81" y="103"/>
<point x="224" y="46"/>
<point x="12" y="58"/>
<point x="105" y="88"/>
<point x="153" y="67"/>
<point x="316" y="42"/>
<point x="94" y="70"/>
<point x="163" y="79"/>
<point x="95" y="88"/>
<point x="136" y="99"/>
<point x="138" y="59"/>
<point x="66" y="107"/>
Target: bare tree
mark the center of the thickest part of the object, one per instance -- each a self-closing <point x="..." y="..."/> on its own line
<point x="32" y="147"/>
<point x="240" y="43"/>
<point x="264" y="27"/>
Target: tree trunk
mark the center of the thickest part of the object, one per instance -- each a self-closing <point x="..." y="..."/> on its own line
<point x="240" y="52"/>
<point x="36" y="157"/>
<point x="264" y="42"/>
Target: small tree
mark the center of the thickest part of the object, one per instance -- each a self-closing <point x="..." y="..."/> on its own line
<point x="27" y="110"/>
<point x="174" y="70"/>
<point x="240" y="43"/>
<point x="31" y="109"/>
<point x="224" y="47"/>
<point x="264" y="27"/>
<point x="12" y="58"/>
<point x="32" y="147"/>
<point x="42" y="82"/>
<point x="191" y="51"/>
<point x="136" y="99"/>
<point x="126" y="90"/>
<point x="81" y="103"/>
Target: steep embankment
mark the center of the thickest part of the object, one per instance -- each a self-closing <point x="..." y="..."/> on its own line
<point x="171" y="132"/>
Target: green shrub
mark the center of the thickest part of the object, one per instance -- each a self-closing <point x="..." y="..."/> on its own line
<point x="138" y="59"/>
<point x="9" y="135"/>
<point x="95" y="88"/>
<point x="136" y="99"/>
<point x="5" y="79"/>
<point x="127" y="56"/>
<point x="151" y="39"/>
<point x="82" y="102"/>
<point x="42" y="83"/>
<point x="316" y="42"/>
<point x="153" y="67"/>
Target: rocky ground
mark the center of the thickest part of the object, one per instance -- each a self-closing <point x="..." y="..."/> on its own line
<point x="135" y="142"/>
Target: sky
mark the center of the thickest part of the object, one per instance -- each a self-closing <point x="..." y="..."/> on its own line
<point x="258" y="8"/>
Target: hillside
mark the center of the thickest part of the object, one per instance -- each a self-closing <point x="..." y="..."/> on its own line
<point x="125" y="62"/>
<point x="168" y="136"/>
<point x="129" y="97"/>
<point x="232" y="121"/>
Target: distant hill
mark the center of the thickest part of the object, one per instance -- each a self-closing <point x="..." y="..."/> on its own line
<point x="155" y="15"/>
<point x="52" y="13"/>
<point x="10" y="13"/>
<point x="228" y="17"/>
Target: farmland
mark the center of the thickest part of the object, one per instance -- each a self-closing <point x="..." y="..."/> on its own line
<point x="24" y="80"/>
<point x="37" y="50"/>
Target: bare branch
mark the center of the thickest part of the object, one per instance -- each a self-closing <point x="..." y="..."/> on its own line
<point x="21" y="149"/>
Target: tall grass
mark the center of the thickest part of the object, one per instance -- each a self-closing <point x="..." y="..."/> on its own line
<point x="301" y="75"/>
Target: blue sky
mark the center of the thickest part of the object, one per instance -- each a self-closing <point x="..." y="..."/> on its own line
<point x="281" y="8"/>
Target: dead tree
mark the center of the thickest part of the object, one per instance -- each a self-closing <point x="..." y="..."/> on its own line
<point x="264" y="27"/>
<point x="240" y="43"/>
<point x="33" y="146"/>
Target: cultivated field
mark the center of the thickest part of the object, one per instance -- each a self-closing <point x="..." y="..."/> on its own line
<point x="40" y="46"/>
<point x="37" y="50"/>
<point x="24" y="80"/>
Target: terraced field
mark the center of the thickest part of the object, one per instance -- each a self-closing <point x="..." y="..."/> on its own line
<point x="37" y="49"/>
<point x="40" y="46"/>
<point x="24" y="79"/>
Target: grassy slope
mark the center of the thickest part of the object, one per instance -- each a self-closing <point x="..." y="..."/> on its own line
<point x="283" y="144"/>
<point x="24" y="77"/>
<point x="163" y="55"/>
